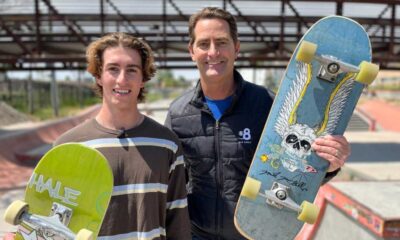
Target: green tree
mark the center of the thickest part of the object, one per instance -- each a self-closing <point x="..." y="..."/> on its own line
<point x="165" y="79"/>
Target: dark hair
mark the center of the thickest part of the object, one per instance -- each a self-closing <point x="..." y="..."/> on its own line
<point x="95" y="51"/>
<point x="212" y="13"/>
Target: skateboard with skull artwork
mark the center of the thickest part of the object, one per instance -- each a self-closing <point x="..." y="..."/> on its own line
<point x="318" y="93"/>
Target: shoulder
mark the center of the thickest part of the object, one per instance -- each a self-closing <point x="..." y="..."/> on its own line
<point x="158" y="130"/>
<point x="259" y="91"/>
<point x="76" y="134"/>
<point x="251" y="90"/>
<point x="256" y="95"/>
<point x="182" y="101"/>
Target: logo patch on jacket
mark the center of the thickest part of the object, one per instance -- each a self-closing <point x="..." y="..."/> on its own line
<point x="245" y="135"/>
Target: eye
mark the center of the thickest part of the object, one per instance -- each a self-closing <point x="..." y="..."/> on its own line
<point x="305" y="144"/>
<point x="222" y="43"/>
<point x="202" y="45"/>
<point x="291" y="138"/>
<point x="112" y="69"/>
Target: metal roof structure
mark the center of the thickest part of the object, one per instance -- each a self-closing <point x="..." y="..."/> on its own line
<point x="53" y="34"/>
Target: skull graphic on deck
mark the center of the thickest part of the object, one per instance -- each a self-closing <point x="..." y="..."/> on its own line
<point x="297" y="140"/>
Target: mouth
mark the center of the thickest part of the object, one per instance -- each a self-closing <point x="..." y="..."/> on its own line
<point x="213" y="63"/>
<point x="121" y="91"/>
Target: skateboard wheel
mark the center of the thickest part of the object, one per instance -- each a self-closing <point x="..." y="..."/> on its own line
<point x="84" y="234"/>
<point x="14" y="212"/>
<point x="251" y="188"/>
<point x="367" y="73"/>
<point x="306" y="52"/>
<point x="309" y="212"/>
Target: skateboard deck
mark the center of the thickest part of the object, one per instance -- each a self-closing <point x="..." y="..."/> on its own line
<point x="66" y="197"/>
<point x="317" y="95"/>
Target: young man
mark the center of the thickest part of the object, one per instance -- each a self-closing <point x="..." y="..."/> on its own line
<point x="209" y="121"/>
<point x="149" y="195"/>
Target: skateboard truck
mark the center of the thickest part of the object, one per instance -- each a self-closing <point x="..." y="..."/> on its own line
<point x="278" y="197"/>
<point x="50" y="226"/>
<point x="331" y="67"/>
<point x="64" y="213"/>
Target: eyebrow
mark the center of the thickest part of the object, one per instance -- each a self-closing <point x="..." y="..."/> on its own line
<point x="216" y="39"/>
<point x="129" y="65"/>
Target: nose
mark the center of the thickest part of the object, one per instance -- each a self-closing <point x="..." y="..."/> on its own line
<point x="121" y="79"/>
<point x="296" y="146"/>
<point x="213" y="50"/>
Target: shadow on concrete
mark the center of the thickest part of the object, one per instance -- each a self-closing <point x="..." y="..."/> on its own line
<point x="374" y="152"/>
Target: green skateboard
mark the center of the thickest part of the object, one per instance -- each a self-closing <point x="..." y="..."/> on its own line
<point x="67" y="195"/>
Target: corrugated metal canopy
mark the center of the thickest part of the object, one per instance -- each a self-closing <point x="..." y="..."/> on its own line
<point x="53" y="34"/>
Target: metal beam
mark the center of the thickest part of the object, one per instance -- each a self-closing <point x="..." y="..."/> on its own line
<point x="37" y="21"/>
<point x="70" y="24"/>
<point x="265" y="38"/>
<point x="15" y="38"/>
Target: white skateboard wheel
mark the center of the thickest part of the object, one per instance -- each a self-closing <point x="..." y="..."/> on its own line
<point x="84" y="234"/>
<point x="14" y="212"/>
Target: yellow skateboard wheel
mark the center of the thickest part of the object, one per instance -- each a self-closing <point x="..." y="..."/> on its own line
<point x="368" y="72"/>
<point x="84" y="234"/>
<point x="251" y="188"/>
<point x="306" y="52"/>
<point x="309" y="212"/>
<point x="14" y="211"/>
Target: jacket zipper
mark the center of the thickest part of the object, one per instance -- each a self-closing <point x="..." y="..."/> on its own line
<point x="218" y="178"/>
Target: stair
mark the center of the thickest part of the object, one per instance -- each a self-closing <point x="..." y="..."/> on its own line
<point x="357" y="123"/>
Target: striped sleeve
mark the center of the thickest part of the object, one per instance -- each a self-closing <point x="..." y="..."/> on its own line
<point x="177" y="219"/>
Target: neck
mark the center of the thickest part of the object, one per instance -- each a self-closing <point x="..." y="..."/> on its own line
<point x="118" y="120"/>
<point x="218" y="90"/>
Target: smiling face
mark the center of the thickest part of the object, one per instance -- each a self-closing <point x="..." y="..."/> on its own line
<point x="121" y="78"/>
<point x="214" y="50"/>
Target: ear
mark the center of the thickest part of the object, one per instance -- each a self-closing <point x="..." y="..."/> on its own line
<point x="190" y="48"/>
<point x="98" y="81"/>
<point x="237" y="49"/>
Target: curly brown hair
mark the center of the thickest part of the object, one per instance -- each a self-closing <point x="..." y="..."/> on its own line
<point x="213" y="13"/>
<point x="94" y="56"/>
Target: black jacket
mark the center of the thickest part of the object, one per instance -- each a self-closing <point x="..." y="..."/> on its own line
<point x="218" y="153"/>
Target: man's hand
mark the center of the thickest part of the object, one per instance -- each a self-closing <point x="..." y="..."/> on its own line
<point x="335" y="149"/>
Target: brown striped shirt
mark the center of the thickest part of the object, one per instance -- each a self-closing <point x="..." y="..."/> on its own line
<point x="149" y="195"/>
